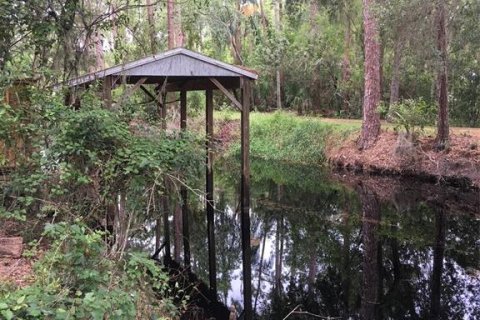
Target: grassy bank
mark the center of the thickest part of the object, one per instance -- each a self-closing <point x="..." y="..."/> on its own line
<point x="283" y="136"/>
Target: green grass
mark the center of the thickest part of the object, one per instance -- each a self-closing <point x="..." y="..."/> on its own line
<point x="283" y="136"/>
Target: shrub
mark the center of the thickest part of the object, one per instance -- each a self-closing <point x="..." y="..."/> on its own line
<point x="411" y="115"/>
<point x="76" y="280"/>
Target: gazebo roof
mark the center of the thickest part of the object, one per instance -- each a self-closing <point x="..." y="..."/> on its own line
<point x="179" y="66"/>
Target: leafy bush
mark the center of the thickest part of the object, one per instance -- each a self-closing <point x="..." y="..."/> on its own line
<point x="411" y="115"/>
<point x="76" y="280"/>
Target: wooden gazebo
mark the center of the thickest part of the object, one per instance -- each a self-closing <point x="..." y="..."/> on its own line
<point x="181" y="70"/>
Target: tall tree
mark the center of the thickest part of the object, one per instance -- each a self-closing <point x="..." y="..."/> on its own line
<point x="236" y="36"/>
<point x="174" y="25"/>
<point x="151" y="26"/>
<point x="442" y="81"/>
<point x="346" y="65"/>
<point x="371" y="99"/>
<point x="278" y="72"/>
<point x="397" y="59"/>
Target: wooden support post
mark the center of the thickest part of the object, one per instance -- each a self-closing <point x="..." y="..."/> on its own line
<point x="209" y="193"/>
<point x="245" y="199"/>
<point x="107" y="92"/>
<point x="183" y="189"/>
<point x="165" y="207"/>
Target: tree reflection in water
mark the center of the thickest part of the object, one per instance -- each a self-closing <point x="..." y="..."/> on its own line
<point x="373" y="249"/>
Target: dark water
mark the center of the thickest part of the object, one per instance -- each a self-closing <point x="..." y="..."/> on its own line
<point x="346" y="246"/>
<point x="342" y="246"/>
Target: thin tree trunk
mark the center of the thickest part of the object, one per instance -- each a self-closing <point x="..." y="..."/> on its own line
<point x="395" y="82"/>
<point x="179" y="35"/>
<point x="442" y="80"/>
<point x="346" y="65"/>
<point x="262" y="15"/>
<point x="236" y="39"/>
<point x="278" y="82"/>
<point x="151" y="26"/>
<point x="313" y="12"/>
<point x="371" y="119"/>
<point x="120" y="223"/>
<point x="171" y="23"/>
<point x="99" y="56"/>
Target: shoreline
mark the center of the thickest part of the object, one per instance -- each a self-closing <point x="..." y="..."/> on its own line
<point x="459" y="166"/>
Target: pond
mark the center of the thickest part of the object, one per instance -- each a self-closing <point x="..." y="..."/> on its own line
<point x="343" y="246"/>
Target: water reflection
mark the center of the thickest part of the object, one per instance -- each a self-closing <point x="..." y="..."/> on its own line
<point x="367" y="249"/>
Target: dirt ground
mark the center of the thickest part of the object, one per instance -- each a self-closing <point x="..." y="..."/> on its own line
<point x="459" y="165"/>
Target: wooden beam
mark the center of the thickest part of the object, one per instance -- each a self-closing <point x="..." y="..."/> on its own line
<point x="131" y="90"/>
<point x="149" y="94"/>
<point x="245" y="199"/>
<point x="202" y="84"/>
<point x="209" y="193"/>
<point x="227" y="93"/>
<point x="183" y="189"/>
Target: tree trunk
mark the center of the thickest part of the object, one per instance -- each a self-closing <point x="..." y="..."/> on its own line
<point x="236" y="39"/>
<point x="171" y="23"/>
<point x="441" y="140"/>
<point x="346" y="65"/>
<point x="395" y="82"/>
<point x="120" y="224"/>
<point x="99" y="57"/>
<point x="371" y="119"/>
<point x="262" y="15"/>
<point x="313" y="11"/>
<point x="278" y="77"/>
<point x="151" y="26"/>
<point x="179" y="35"/>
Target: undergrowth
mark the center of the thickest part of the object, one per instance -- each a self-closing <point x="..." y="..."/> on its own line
<point x="282" y="136"/>
<point x="76" y="279"/>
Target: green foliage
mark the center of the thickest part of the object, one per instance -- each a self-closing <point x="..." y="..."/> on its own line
<point x="78" y="163"/>
<point x="76" y="280"/>
<point x="411" y="115"/>
<point x="285" y="137"/>
<point x="79" y="158"/>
